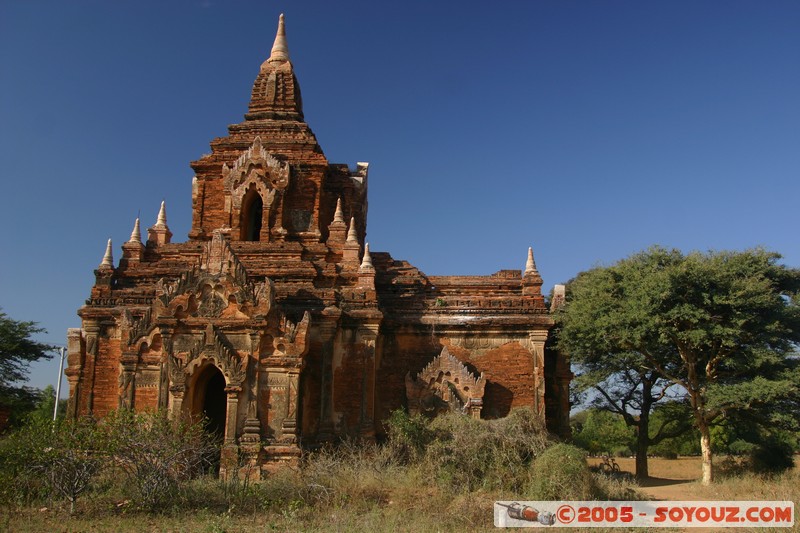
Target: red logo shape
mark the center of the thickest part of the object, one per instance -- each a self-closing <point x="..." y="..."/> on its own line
<point x="565" y="514"/>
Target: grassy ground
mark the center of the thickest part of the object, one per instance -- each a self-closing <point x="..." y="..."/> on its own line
<point x="396" y="501"/>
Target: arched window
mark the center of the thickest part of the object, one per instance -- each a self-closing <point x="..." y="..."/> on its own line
<point x="252" y="209"/>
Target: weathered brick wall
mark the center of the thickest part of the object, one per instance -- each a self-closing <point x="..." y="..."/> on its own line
<point x="213" y="206"/>
<point x="353" y="383"/>
<point x="404" y="349"/>
<point x="311" y="385"/>
<point x="106" y="380"/>
<point x="509" y="371"/>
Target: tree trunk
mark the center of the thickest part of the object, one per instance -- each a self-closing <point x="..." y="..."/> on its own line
<point x="705" y="449"/>
<point x="642" y="443"/>
<point x="643" y="428"/>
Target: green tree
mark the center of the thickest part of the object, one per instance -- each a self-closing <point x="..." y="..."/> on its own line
<point x="45" y="404"/>
<point x="721" y="325"/>
<point x="630" y="391"/>
<point x="598" y="431"/>
<point x="17" y="351"/>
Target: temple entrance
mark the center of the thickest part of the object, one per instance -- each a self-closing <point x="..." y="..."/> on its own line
<point x="210" y="401"/>
<point x="253" y="208"/>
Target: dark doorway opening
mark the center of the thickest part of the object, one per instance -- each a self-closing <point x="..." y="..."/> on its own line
<point x="215" y="404"/>
<point x="253" y="211"/>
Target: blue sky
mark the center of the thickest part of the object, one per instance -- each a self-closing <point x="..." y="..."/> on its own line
<point x="588" y="130"/>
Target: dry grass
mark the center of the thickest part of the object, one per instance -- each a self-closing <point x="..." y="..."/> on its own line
<point x="352" y="490"/>
<point x="395" y="499"/>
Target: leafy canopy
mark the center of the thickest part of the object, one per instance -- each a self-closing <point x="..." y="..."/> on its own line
<point x="17" y="351"/>
<point x="720" y="323"/>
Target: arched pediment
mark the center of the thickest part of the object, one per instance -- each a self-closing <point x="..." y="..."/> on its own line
<point x="220" y="296"/>
<point x="218" y="286"/>
<point x="215" y="349"/>
<point x="255" y="168"/>
<point x="445" y="384"/>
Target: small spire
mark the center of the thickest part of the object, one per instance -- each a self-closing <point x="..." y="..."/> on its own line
<point x="366" y="263"/>
<point x="280" y="51"/>
<point x="161" y="221"/>
<point x="159" y="233"/>
<point x="338" y="216"/>
<point x="530" y="266"/>
<point x="351" y="232"/>
<point x="108" y="258"/>
<point x="136" y="234"/>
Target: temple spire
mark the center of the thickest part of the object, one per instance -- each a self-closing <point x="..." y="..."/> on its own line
<point x="280" y="51"/>
<point x="108" y="258"/>
<point x="366" y="262"/>
<point x="366" y="273"/>
<point x="530" y="265"/>
<point x="161" y="221"/>
<point x="531" y="280"/>
<point x="276" y="93"/>
<point x="136" y="234"/>
<point x="159" y="233"/>
<point x="338" y="216"/>
<point x="351" y="232"/>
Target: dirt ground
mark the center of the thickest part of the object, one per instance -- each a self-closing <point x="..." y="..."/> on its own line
<point x="670" y="479"/>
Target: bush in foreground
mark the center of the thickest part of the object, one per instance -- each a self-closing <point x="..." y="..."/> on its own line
<point x="44" y="460"/>
<point x="562" y="474"/>
<point x="465" y="454"/>
<point x="446" y="472"/>
<point x="158" y="453"/>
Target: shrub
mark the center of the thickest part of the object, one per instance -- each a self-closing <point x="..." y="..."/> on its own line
<point x="157" y="452"/>
<point x="466" y="454"/>
<point x="561" y="473"/>
<point x="354" y="472"/>
<point x="772" y="456"/>
<point x="408" y="435"/>
<point x="44" y="459"/>
<point x="741" y="447"/>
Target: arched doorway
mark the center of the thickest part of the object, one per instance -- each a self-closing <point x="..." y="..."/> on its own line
<point x="252" y="211"/>
<point x="210" y="401"/>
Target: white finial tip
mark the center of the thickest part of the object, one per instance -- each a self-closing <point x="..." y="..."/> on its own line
<point x="530" y="265"/>
<point x="338" y="216"/>
<point x="136" y="234"/>
<point x="280" y="51"/>
<point x="162" y="215"/>
<point x="351" y="232"/>
<point x="366" y="262"/>
<point x="108" y="258"/>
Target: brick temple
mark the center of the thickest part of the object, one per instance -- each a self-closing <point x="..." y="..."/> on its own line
<point x="278" y="323"/>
